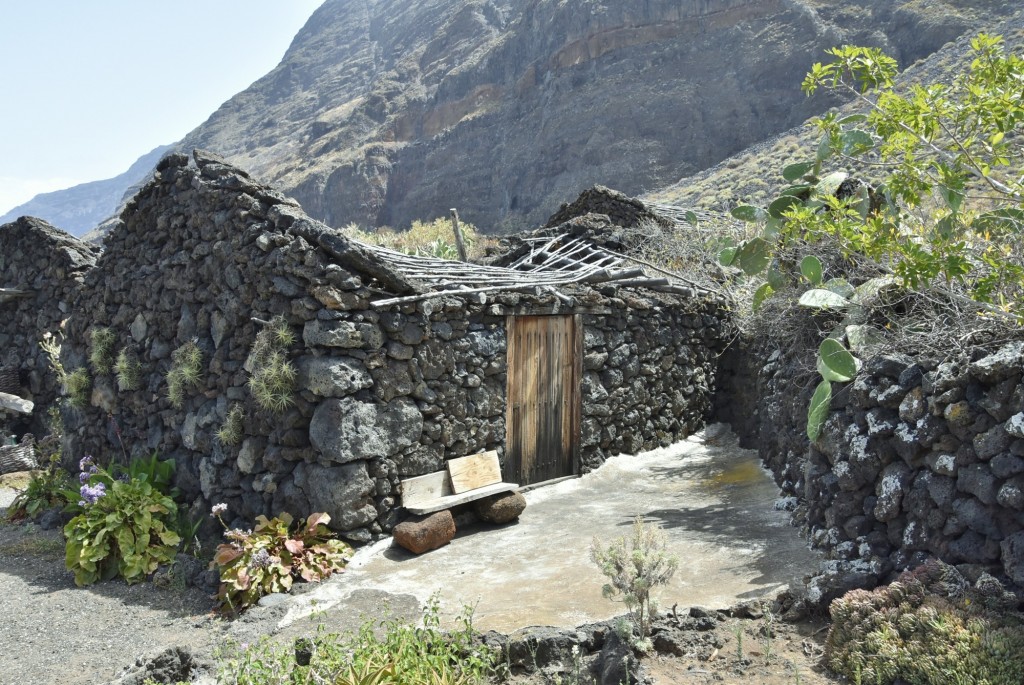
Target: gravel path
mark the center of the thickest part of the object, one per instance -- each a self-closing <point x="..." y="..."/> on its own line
<point x="54" y="632"/>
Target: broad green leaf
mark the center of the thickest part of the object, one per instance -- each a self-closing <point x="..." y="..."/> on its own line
<point x="748" y="213"/>
<point x="863" y="339"/>
<point x="824" y="150"/>
<point x="837" y="359"/>
<point x="856" y="141"/>
<point x="754" y="256"/>
<point x="801" y="191"/>
<point x="776" y="279"/>
<point x="823" y="299"/>
<point x="817" y="412"/>
<point x="810" y="267"/>
<point x="828" y="374"/>
<point x="795" y="172"/>
<point x="875" y="289"/>
<point x="690" y="218"/>
<point x="840" y="286"/>
<point x="762" y="294"/>
<point x="727" y="256"/>
<point x="772" y="227"/>
<point x="781" y="204"/>
<point x="829" y="184"/>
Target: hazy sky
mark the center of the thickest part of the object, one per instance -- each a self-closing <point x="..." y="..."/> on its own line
<point x="88" y="86"/>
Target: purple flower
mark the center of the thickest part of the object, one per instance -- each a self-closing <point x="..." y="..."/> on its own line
<point x="91" y="493"/>
<point x="85" y="463"/>
<point x="261" y="559"/>
<point x="83" y="477"/>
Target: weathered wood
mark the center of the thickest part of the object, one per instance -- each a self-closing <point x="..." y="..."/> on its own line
<point x="15" y="404"/>
<point x="449" y="501"/>
<point x="433" y="492"/>
<point x="460" y="245"/>
<point x="474" y="471"/>
<point x="424" y="489"/>
<point x="542" y="421"/>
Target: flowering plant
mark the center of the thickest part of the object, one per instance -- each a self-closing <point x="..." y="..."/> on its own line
<point x="268" y="559"/>
<point x="125" y="526"/>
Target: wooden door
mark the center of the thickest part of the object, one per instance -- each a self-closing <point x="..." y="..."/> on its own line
<point x="543" y="420"/>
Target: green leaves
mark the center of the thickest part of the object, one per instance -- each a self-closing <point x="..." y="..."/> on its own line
<point x="748" y="213"/>
<point x="754" y="256"/>
<point x="817" y="412"/>
<point x="822" y="299"/>
<point x="836" y="363"/>
<point x="794" y="172"/>
<point x="810" y="268"/>
<point x="269" y="558"/>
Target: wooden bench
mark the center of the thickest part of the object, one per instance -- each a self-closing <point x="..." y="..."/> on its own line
<point x="465" y="479"/>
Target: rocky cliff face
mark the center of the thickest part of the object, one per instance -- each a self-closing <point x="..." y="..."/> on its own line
<point x="388" y="110"/>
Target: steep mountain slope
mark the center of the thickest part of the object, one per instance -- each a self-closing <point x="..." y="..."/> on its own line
<point x="387" y="110"/>
<point x="383" y="111"/>
<point x="80" y="208"/>
<point x="754" y="175"/>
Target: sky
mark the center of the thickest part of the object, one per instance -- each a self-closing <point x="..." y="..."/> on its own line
<point x="88" y="86"/>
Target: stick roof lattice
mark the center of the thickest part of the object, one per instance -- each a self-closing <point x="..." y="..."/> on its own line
<point x="550" y="263"/>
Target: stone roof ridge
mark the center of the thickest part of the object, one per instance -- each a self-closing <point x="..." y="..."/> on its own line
<point x="29" y="232"/>
<point x="203" y="171"/>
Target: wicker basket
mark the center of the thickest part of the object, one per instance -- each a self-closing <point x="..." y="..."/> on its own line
<point x="17" y="458"/>
<point x="9" y="381"/>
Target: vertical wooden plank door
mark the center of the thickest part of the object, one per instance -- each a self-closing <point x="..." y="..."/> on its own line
<point x="543" y="419"/>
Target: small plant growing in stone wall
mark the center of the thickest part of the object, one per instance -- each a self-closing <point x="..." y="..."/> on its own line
<point x="635" y="567"/>
<point x="230" y="432"/>
<point x="102" y="354"/>
<point x="273" y="376"/>
<point x="77" y="385"/>
<point x="186" y="372"/>
<point x="128" y="370"/>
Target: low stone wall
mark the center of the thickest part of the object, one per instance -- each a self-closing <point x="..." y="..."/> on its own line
<point x="917" y="459"/>
<point x="49" y="265"/>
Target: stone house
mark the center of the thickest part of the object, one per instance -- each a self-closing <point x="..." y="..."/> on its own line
<point x="558" y="355"/>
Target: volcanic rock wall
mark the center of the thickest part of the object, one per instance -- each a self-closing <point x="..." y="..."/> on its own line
<point x="206" y="257"/>
<point x="916" y="459"/>
<point x="49" y="266"/>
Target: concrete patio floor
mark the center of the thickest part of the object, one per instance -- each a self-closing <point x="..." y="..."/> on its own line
<point x="714" y="502"/>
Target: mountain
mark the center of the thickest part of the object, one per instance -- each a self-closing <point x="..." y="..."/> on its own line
<point x="383" y="111"/>
<point x="754" y="175"/>
<point x="80" y="208"/>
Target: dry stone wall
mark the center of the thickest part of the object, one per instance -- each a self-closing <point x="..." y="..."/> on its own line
<point x="649" y="371"/>
<point x="204" y="256"/>
<point x="917" y="459"/>
<point x="49" y="265"/>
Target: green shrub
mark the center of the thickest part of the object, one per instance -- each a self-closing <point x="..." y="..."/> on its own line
<point x="386" y="652"/>
<point x="128" y="370"/>
<point x="46" y="489"/>
<point x="101" y="356"/>
<point x="269" y="558"/>
<point x="903" y="632"/>
<point x="635" y="567"/>
<point x="427" y="238"/>
<point x="125" y="528"/>
<point x="186" y="372"/>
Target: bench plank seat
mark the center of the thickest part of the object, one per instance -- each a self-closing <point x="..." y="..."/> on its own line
<point x="434" y="491"/>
